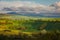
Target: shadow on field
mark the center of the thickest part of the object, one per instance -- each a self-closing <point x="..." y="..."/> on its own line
<point x="33" y="36"/>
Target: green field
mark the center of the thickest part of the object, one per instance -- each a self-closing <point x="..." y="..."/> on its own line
<point x="27" y="25"/>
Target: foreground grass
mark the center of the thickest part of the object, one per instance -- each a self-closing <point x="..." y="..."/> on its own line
<point x="18" y="35"/>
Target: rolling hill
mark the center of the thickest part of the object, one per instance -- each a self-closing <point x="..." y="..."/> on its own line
<point x="28" y="23"/>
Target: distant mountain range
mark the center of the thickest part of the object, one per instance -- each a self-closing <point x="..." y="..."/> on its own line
<point x="34" y="14"/>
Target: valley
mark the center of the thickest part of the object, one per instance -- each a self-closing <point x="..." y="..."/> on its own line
<point x="18" y="27"/>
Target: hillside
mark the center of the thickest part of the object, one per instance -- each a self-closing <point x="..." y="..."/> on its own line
<point x="26" y="23"/>
<point x="18" y="27"/>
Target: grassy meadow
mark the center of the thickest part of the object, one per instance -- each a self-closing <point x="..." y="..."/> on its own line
<point x="17" y="27"/>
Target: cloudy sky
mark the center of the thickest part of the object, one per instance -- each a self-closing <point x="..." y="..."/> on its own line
<point x="38" y="6"/>
<point x="46" y="2"/>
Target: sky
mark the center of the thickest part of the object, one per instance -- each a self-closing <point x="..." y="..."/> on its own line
<point x="37" y="6"/>
<point x="45" y="2"/>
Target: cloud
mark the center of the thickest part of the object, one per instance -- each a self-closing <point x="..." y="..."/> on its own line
<point x="30" y="7"/>
<point x="56" y="7"/>
<point x="24" y="5"/>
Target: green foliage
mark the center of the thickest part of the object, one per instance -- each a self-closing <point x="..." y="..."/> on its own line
<point x="25" y="23"/>
<point x="29" y="28"/>
<point x="33" y="36"/>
